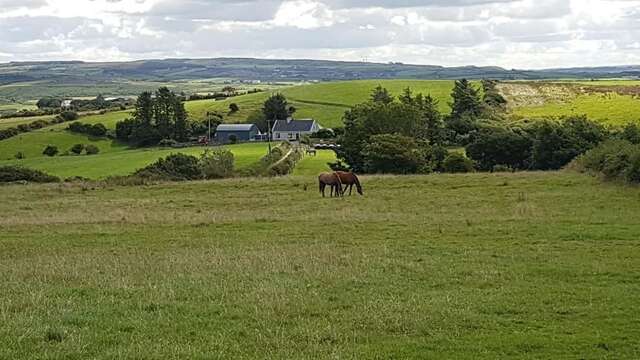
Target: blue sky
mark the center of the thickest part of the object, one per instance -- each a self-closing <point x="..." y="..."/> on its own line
<point x="507" y="33"/>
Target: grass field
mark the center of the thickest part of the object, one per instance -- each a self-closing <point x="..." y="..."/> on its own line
<point x="612" y="102"/>
<point x="325" y="102"/>
<point x="119" y="160"/>
<point x="531" y="265"/>
<point x="314" y="165"/>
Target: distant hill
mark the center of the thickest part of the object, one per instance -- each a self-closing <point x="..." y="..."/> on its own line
<point x="77" y="72"/>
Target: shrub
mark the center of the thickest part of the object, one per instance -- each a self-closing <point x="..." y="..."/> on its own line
<point x="77" y="149"/>
<point x="217" y="164"/>
<point x="233" y="107"/>
<point x="615" y="160"/>
<point x="493" y="147"/>
<point x="176" y="167"/>
<point x="92" y="149"/>
<point x="97" y="130"/>
<point x="18" y="173"/>
<point x="19" y="155"/>
<point x="457" y="163"/>
<point x="68" y="116"/>
<point x="50" y="150"/>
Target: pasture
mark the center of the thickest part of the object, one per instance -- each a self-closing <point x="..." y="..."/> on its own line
<point x="525" y="265"/>
<point x="119" y="160"/>
<point x="314" y="165"/>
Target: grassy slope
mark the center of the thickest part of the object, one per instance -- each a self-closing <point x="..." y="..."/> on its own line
<point x="121" y="161"/>
<point x="325" y="102"/>
<point x="613" y="104"/>
<point x="491" y="266"/>
<point x="611" y="109"/>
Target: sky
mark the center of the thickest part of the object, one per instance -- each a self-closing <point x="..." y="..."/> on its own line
<point x="523" y="34"/>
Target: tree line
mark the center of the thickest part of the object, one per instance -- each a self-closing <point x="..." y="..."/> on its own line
<point x="408" y="134"/>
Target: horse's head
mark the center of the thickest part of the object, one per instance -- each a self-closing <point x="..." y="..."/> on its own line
<point x="359" y="188"/>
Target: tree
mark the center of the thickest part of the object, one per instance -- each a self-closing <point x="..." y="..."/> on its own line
<point x="381" y="95"/>
<point x="491" y="97"/>
<point x="233" y="108"/>
<point x="494" y="147"/>
<point x="50" y="150"/>
<point x="292" y="110"/>
<point x="466" y="101"/>
<point x="143" y="109"/>
<point x="180" y="129"/>
<point x="407" y="97"/>
<point x="373" y="118"/>
<point x="432" y="119"/>
<point x="275" y="108"/>
<point x="229" y="90"/>
<point x="556" y="144"/>
<point x="388" y="153"/>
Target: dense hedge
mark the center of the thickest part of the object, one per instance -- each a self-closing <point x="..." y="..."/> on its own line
<point x="97" y="130"/>
<point x="38" y="124"/>
<point x="213" y="164"/>
<point x="17" y="173"/>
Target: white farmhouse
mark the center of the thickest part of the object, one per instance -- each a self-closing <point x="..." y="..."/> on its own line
<point x="293" y="130"/>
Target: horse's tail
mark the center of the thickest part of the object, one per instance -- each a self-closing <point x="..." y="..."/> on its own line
<point x="356" y="181"/>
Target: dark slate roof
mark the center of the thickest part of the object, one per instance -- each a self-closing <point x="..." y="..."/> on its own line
<point x="293" y="125"/>
<point x="235" y="127"/>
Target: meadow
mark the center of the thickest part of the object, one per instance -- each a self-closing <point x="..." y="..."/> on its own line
<point x="438" y="266"/>
<point x="119" y="160"/>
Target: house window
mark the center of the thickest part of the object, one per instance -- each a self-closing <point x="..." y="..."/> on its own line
<point x="278" y="136"/>
<point x="290" y="135"/>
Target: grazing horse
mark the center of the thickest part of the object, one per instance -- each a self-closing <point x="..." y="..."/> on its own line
<point x="333" y="180"/>
<point x="349" y="179"/>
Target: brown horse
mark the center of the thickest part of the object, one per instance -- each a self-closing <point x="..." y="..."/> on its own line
<point x="333" y="180"/>
<point x="349" y="179"/>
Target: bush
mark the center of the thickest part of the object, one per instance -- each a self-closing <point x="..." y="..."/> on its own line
<point x="457" y="163"/>
<point x="91" y="149"/>
<point x="77" y="149"/>
<point x="233" y="107"/>
<point x="19" y="155"/>
<point x="175" y="167"/>
<point x="493" y="147"/>
<point x="217" y="164"/>
<point x="18" y="173"/>
<point x="97" y="130"/>
<point x="68" y="116"/>
<point x="615" y="160"/>
<point x="50" y="150"/>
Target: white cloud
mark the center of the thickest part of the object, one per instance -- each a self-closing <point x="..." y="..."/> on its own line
<point x="509" y="33"/>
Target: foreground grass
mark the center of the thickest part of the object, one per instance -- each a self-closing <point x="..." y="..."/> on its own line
<point x="537" y="265"/>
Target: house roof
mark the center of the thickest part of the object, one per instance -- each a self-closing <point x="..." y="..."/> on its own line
<point x="235" y="127"/>
<point x="294" y="125"/>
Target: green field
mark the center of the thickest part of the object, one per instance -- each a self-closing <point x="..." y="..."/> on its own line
<point x="116" y="159"/>
<point x="526" y="266"/>
<point x="314" y="165"/>
<point x="325" y="102"/>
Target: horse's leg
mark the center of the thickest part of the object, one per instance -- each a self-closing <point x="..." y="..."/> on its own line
<point x="350" y="189"/>
<point x="322" y="186"/>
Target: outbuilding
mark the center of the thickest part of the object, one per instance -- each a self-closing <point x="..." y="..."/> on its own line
<point x="230" y="133"/>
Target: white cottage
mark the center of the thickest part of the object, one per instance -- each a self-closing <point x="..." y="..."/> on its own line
<point x="293" y="130"/>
